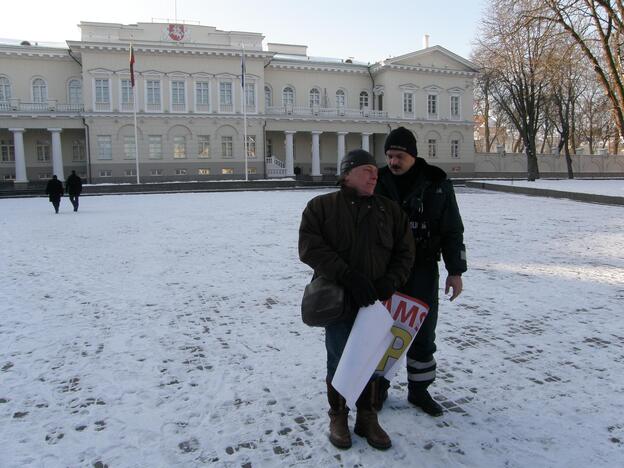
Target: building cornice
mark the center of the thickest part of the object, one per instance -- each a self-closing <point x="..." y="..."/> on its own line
<point x="413" y="68"/>
<point x="30" y="51"/>
<point x="183" y="49"/>
<point x="312" y="66"/>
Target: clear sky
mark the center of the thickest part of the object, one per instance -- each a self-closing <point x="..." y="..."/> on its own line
<point x="367" y="30"/>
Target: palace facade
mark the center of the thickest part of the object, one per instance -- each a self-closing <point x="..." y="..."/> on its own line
<point x="72" y="107"/>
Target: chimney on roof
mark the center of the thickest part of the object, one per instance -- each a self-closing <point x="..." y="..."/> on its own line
<point x="426" y="41"/>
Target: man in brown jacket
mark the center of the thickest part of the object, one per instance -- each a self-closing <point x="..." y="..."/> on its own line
<point x="362" y="241"/>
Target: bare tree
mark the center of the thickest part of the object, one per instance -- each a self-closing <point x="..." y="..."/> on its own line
<point x="515" y="52"/>
<point x="597" y="27"/>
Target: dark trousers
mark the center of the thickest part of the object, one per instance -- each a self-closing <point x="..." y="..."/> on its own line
<point x="336" y="336"/>
<point x="56" y="203"/>
<point x="421" y="365"/>
<point x="74" y="201"/>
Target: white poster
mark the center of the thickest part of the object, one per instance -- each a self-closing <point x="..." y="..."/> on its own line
<point x="378" y="341"/>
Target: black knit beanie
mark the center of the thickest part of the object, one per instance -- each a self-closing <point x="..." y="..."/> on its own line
<point x="401" y="139"/>
<point x="355" y="158"/>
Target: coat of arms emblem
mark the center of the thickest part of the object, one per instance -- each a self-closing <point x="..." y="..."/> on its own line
<point x="176" y="31"/>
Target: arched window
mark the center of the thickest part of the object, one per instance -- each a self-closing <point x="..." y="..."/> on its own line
<point x="268" y="97"/>
<point x="39" y="90"/>
<point x="341" y="99"/>
<point x="315" y="97"/>
<point x="288" y="96"/>
<point x="363" y="100"/>
<point x="74" y="89"/>
<point x="5" y="89"/>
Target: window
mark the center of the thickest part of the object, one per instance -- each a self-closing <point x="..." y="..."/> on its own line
<point x="179" y="147"/>
<point x="363" y="100"/>
<point x="105" y="147"/>
<point x="5" y="89"/>
<point x="39" y="90"/>
<point x="178" y="96"/>
<point x="9" y="176"/>
<point x="7" y="151"/>
<point x="268" y="97"/>
<point x="130" y="172"/>
<point x="227" y="147"/>
<point x="78" y="150"/>
<point x="202" y="96"/>
<point x="315" y="97"/>
<point x="156" y="172"/>
<point x="129" y="147"/>
<point x="455" y="148"/>
<point x="154" y="146"/>
<point x="225" y="97"/>
<point x="43" y="150"/>
<point x="180" y="172"/>
<point x="288" y="97"/>
<point x="102" y="94"/>
<point x="432" y="106"/>
<point x="45" y="175"/>
<point x="432" y="145"/>
<point x="252" y="170"/>
<point x="251" y="146"/>
<point x="455" y="107"/>
<point x="227" y="170"/>
<point x="269" y="147"/>
<point x="203" y="171"/>
<point x="341" y="99"/>
<point x="408" y="103"/>
<point x="106" y="173"/>
<point x="127" y="95"/>
<point x="203" y="146"/>
<point x="152" y="90"/>
<point x="250" y="96"/>
<point x="74" y="93"/>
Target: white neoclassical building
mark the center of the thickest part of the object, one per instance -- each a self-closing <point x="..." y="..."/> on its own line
<point x="71" y="107"/>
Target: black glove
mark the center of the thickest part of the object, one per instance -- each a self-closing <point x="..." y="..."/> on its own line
<point x="360" y="287"/>
<point x="385" y="289"/>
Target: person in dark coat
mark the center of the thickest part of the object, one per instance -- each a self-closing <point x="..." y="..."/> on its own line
<point x="73" y="187"/>
<point x="428" y="198"/>
<point x="363" y="242"/>
<point x="54" y="190"/>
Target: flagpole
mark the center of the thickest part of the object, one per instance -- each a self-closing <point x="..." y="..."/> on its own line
<point x="136" y="139"/>
<point x="244" y="94"/>
<point x="134" y="101"/>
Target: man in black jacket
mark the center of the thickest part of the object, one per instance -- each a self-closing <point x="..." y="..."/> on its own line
<point x="54" y="190"/>
<point x="428" y="198"/>
<point x="73" y="187"/>
<point x="362" y="241"/>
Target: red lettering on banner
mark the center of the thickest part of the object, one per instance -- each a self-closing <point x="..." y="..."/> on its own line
<point x="412" y="315"/>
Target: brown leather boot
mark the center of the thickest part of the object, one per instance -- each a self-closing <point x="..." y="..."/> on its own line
<point x="339" y="434"/>
<point x="366" y="423"/>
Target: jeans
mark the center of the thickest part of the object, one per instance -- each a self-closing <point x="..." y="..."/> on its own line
<point x="336" y="336"/>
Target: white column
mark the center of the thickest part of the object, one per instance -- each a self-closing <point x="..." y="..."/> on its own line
<point x="316" y="154"/>
<point x="290" y="158"/>
<point x="57" y="153"/>
<point x="341" y="150"/>
<point x="365" y="144"/>
<point x="20" y="158"/>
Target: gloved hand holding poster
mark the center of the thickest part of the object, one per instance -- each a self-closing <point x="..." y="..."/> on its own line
<point x="377" y="342"/>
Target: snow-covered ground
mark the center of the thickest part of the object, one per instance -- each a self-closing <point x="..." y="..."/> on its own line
<point x="599" y="187"/>
<point x="164" y="330"/>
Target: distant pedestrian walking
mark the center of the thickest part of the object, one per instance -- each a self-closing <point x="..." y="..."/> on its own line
<point x="73" y="187"/>
<point x="54" y="190"/>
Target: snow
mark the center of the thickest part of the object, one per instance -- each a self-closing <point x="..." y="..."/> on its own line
<point x="609" y="187"/>
<point x="164" y="330"/>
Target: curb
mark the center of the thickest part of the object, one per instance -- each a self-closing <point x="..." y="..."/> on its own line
<point x="539" y="192"/>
